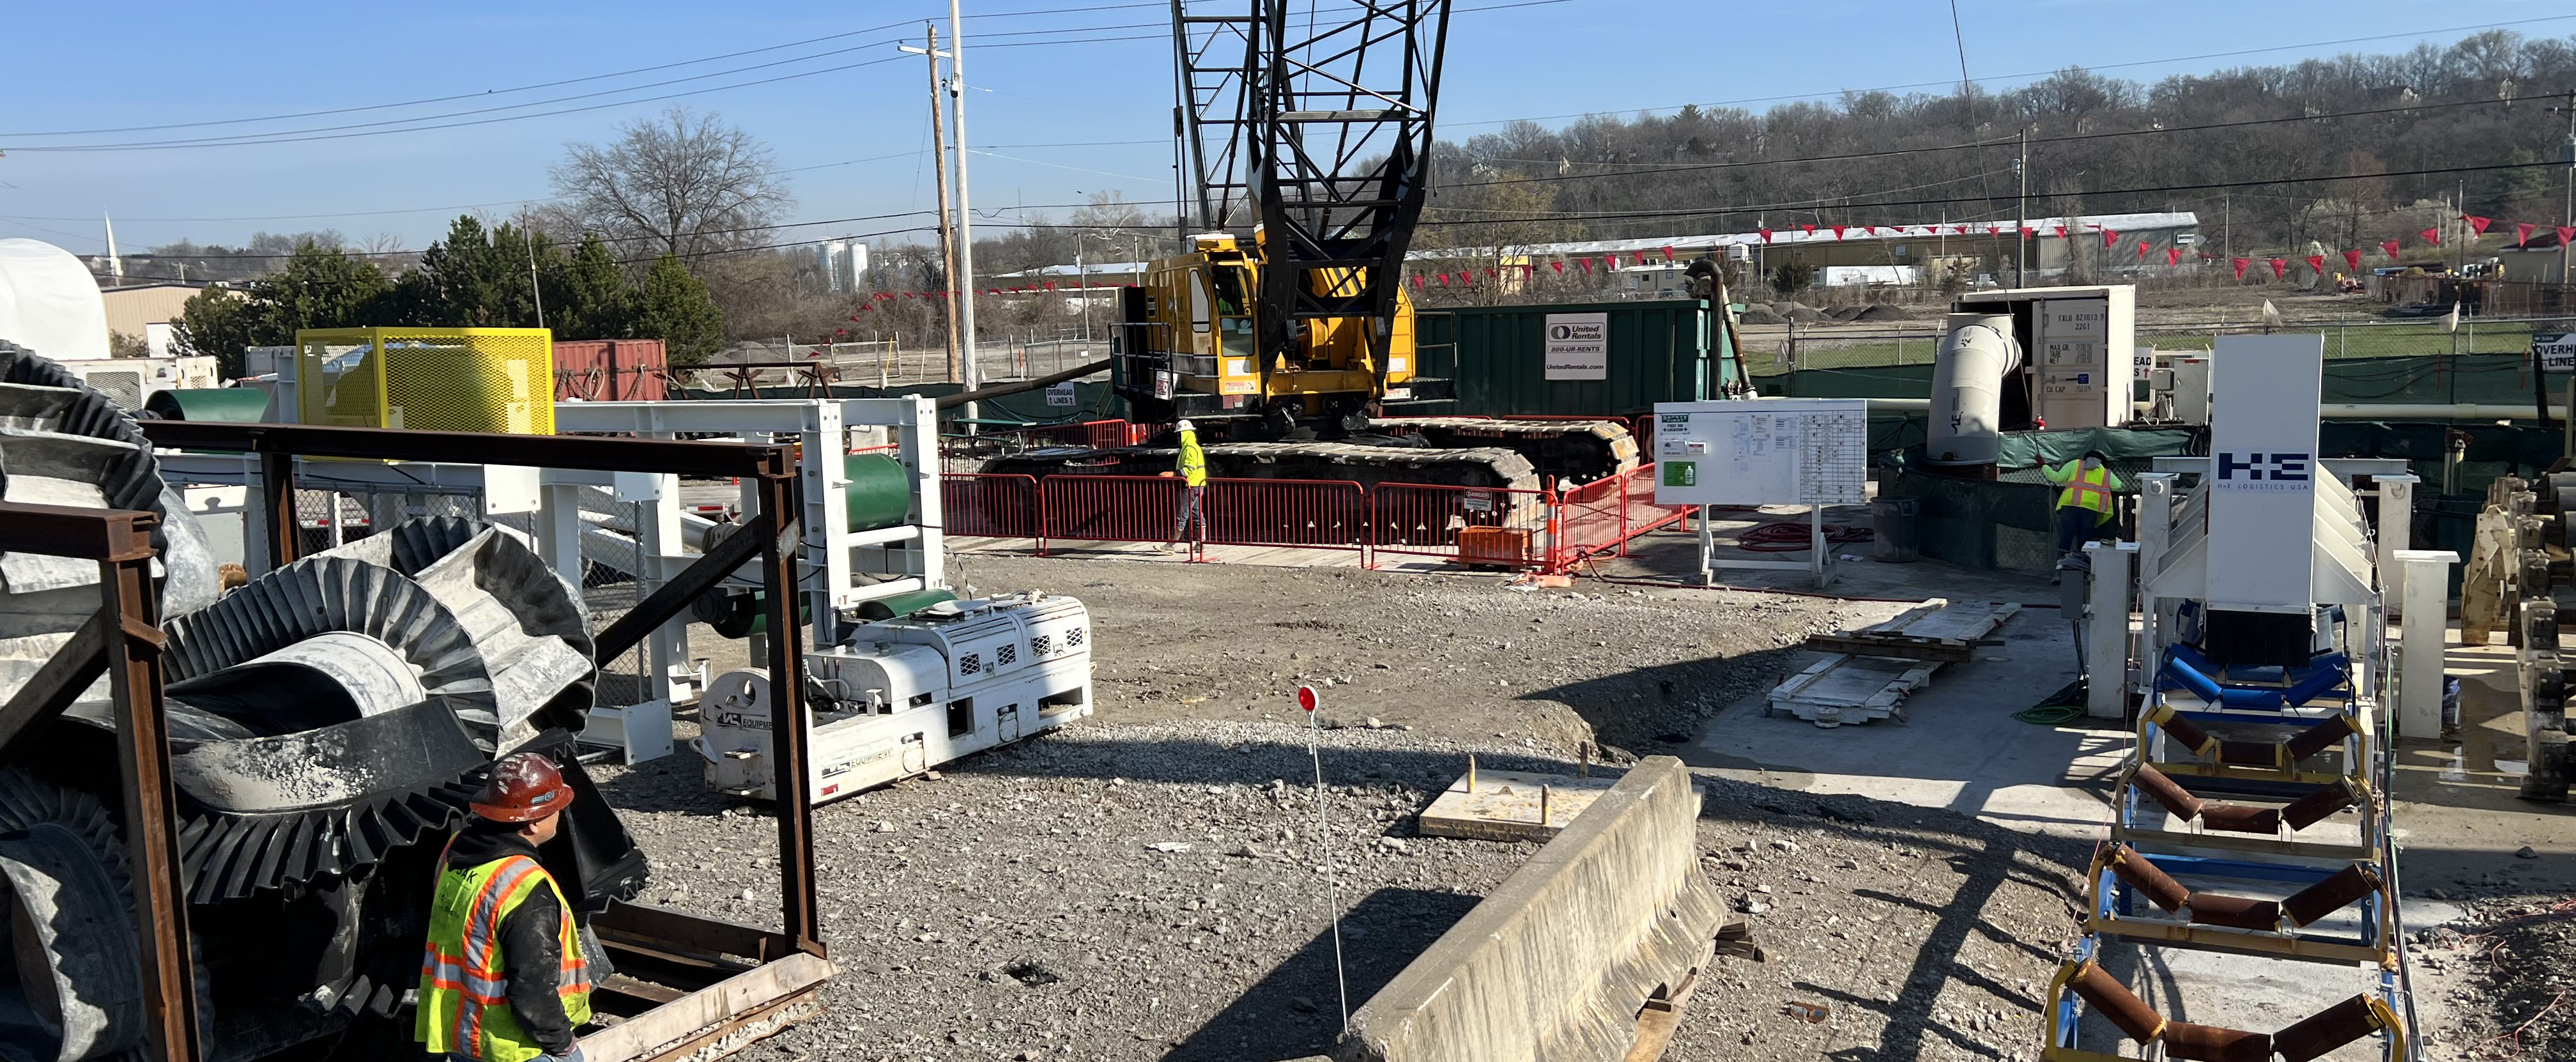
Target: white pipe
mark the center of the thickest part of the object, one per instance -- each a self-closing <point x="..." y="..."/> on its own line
<point x="1968" y="389"/>
<point x="2333" y="410"/>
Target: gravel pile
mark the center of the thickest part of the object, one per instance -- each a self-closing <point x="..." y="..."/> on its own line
<point x="1151" y="891"/>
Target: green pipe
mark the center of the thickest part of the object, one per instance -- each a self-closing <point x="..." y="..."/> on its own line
<point x="222" y="405"/>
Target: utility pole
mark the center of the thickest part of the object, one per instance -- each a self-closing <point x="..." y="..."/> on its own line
<point x="528" y="236"/>
<point x="2021" y="215"/>
<point x="2567" y="155"/>
<point x="965" y="208"/>
<point x="2227" y="221"/>
<point x="939" y="166"/>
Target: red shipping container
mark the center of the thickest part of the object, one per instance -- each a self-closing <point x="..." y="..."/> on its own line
<point x="610" y="370"/>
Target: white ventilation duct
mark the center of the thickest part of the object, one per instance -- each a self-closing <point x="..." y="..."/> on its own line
<point x="49" y="303"/>
<point x="1967" y="390"/>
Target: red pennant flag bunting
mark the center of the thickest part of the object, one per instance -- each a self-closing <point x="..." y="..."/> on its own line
<point x="2142" y="250"/>
<point x="1560" y="266"/>
<point x="2317" y="264"/>
<point x="2352" y="259"/>
<point x="2389" y="246"/>
<point x="1808" y="229"/>
<point x="1668" y="253"/>
<point x="2240" y="264"/>
<point x="2110" y="238"/>
<point x="2060" y="230"/>
<point x="1838" y="231"/>
<point x="2173" y="256"/>
<point x="1586" y="263"/>
<point x="2521" y="233"/>
<point x="2563" y="233"/>
<point x="1444" y="280"/>
<point x="2478" y="223"/>
<point x="2280" y="267"/>
<point x="1766" y="235"/>
<point x="2432" y="236"/>
<point x="1417" y="282"/>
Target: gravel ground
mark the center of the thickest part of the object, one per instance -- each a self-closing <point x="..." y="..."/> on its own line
<point x="1029" y="904"/>
<point x="1034" y="902"/>
<point x="2501" y="979"/>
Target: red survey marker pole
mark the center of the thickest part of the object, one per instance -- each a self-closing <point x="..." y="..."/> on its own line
<point x="1308" y="702"/>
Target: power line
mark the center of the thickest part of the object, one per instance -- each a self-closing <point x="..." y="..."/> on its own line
<point x="367" y="129"/>
<point x="565" y="81"/>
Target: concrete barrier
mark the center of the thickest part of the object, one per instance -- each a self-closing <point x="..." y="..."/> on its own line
<point x="1555" y="965"/>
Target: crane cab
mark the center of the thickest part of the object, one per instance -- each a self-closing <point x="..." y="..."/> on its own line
<point x="1189" y="346"/>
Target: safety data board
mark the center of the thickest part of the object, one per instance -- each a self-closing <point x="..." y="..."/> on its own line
<point x="1779" y="451"/>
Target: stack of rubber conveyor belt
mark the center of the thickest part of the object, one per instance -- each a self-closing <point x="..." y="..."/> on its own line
<point x="2249" y="822"/>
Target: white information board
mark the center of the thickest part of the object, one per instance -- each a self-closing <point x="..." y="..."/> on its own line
<point x="2555" y="350"/>
<point x="1778" y="451"/>
<point x="2262" y="481"/>
<point x="1060" y="396"/>
<point x="2075" y="372"/>
<point x="1578" y="346"/>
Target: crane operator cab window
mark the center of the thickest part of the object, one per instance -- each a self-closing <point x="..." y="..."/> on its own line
<point x="1234" y="312"/>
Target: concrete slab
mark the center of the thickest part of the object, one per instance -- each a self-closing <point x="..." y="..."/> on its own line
<point x="1959" y="747"/>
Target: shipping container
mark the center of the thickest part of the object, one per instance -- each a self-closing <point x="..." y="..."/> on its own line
<point x="610" y="370"/>
<point x="1578" y="359"/>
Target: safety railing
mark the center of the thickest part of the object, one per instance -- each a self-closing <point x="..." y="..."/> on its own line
<point x="989" y="506"/>
<point x="1603" y="515"/>
<point x="1469" y="525"/>
<point x="1319" y="514"/>
<point x="1479" y="525"/>
<point x="1107" y="509"/>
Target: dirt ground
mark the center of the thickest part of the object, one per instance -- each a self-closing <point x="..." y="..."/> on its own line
<point x="1016" y="907"/>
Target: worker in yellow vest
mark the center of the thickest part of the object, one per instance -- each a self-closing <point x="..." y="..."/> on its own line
<point x="503" y="978"/>
<point x="1193" y="472"/>
<point x="2086" y="501"/>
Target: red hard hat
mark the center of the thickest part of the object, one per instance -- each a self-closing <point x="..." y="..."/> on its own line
<point x="524" y="788"/>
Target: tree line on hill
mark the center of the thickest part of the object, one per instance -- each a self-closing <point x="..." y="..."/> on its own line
<point x="2270" y="157"/>
<point x="504" y="277"/>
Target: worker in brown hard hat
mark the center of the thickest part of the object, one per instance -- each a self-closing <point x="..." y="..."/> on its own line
<point x="503" y="978"/>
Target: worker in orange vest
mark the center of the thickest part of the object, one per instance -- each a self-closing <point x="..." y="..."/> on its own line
<point x="2086" y="501"/>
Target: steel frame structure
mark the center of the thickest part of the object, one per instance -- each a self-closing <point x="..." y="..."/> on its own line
<point x="721" y="984"/>
<point x="1321" y="132"/>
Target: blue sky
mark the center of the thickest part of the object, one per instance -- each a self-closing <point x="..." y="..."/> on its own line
<point x="857" y="136"/>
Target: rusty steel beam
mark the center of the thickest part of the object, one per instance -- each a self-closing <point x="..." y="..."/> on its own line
<point x="594" y="453"/>
<point x="277" y="506"/>
<point x="131" y="609"/>
<point x="675" y="596"/>
<point x="779" y="501"/>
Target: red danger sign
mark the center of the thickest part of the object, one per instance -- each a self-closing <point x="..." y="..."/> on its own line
<point x="1306" y="698"/>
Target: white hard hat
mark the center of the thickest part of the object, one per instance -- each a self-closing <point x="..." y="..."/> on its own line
<point x="1186" y="426"/>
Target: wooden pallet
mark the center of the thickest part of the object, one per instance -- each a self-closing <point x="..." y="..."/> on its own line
<point x="1856" y="687"/>
<point x="1507" y="805"/>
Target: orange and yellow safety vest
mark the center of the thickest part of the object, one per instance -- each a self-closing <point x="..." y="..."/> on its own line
<point x="2086" y="488"/>
<point x="464" y="1003"/>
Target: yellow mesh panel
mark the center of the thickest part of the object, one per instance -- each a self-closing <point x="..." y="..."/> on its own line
<point x="435" y="379"/>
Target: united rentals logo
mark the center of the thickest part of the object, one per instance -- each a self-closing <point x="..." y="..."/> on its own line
<point x="2255" y="471"/>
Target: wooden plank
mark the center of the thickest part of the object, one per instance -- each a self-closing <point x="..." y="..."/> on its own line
<point x="707" y="1010"/>
<point x="1862" y="644"/>
<point x="1505" y="805"/>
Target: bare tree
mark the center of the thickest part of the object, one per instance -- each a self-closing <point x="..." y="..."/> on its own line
<point x="683" y="183"/>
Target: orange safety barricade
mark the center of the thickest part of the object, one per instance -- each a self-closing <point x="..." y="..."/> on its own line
<point x="1322" y="514"/>
<point x="989" y="506"/>
<point x="1601" y="516"/>
<point x="1107" y="508"/>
